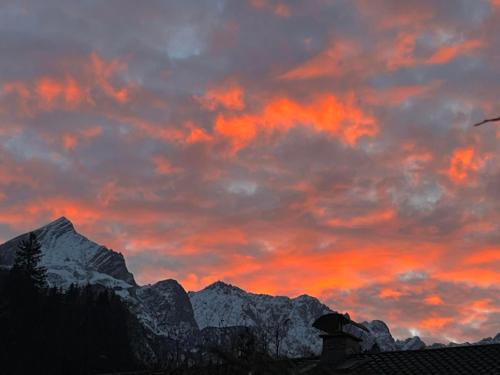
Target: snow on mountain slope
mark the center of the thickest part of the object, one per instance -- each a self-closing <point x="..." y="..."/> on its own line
<point x="224" y="305"/>
<point x="72" y="258"/>
<point x="411" y="343"/>
<point x="379" y="334"/>
<point x="69" y="257"/>
<point x="165" y="309"/>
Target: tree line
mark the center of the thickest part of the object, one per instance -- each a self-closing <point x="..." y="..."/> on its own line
<point x="83" y="330"/>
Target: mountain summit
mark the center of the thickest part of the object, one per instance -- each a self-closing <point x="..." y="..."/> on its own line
<point x="71" y="258"/>
<point x="225" y="305"/>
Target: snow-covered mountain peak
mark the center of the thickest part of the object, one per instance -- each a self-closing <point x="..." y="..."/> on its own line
<point x="72" y="258"/>
<point x="305" y="298"/>
<point x="169" y="286"/>
<point x="223" y="305"/>
<point x="59" y="226"/>
<point x="223" y="287"/>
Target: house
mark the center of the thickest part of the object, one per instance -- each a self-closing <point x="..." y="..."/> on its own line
<point x="342" y="355"/>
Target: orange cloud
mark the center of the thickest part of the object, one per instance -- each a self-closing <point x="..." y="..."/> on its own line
<point x="37" y="211"/>
<point x="389" y="293"/>
<point x="229" y="96"/>
<point x="401" y="54"/>
<point x="291" y="255"/>
<point x="151" y="129"/>
<point x="70" y="140"/>
<point x="447" y="53"/>
<point x="103" y="71"/>
<point x="197" y="135"/>
<point x="484" y="305"/>
<point x="327" y="114"/>
<point x="343" y="57"/>
<point x="395" y="96"/>
<point x="435" y="322"/>
<point x="334" y="61"/>
<point x="463" y="162"/>
<point x="52" y="92"/>
<point x="351" y="268"/>
<point x="73" y="94"/>
<point x="239" y="130"/>
<point x="48" y="90"/>
<point x="18" y="88"/>
<point x="91" y="132"/>
<point x="162" y="165"/>
<point x="217" y="237"/>
<point x="433" y="300"/>
<point x="473" y="275"/>
<point x="483" y="257"/>
<point x="66" y="91"/>
<point x="365" y="220"/>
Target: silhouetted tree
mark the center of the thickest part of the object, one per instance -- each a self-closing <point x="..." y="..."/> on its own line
<point x="82" y="331"/>
<point x="27" y="262"/>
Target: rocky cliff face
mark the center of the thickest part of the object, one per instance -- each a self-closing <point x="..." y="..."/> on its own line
<point x="379" y="336"/>
<point x="111" y="263"/>
<point x="165" y="309"/>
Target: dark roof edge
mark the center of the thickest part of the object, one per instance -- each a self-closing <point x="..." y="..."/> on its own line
<point x="432" y="349"/>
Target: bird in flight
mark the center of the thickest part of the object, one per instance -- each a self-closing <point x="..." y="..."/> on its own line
<point x="488" y="120"/>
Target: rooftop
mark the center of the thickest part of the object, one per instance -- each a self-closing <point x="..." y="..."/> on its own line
<point x="473" y="359"/>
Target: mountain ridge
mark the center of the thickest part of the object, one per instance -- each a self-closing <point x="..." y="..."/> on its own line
<point x="167" y="311"/>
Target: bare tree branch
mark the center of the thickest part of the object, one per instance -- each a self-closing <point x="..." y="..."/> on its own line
<point x="488" y="120"/>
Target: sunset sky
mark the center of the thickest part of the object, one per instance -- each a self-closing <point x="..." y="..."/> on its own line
<point x="319" y="147"/>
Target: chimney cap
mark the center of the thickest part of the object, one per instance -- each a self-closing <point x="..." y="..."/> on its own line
<point x="334" y="322"/>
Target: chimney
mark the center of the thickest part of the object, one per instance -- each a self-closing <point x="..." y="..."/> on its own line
<point x="337" y="344"/>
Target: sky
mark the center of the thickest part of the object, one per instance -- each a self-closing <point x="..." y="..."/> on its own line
<point x="319" y="147"/>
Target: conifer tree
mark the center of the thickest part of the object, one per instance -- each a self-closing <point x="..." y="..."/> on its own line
<point x="27" y="262"/>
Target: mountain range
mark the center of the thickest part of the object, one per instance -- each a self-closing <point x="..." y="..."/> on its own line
<point x="168" y="315"/>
